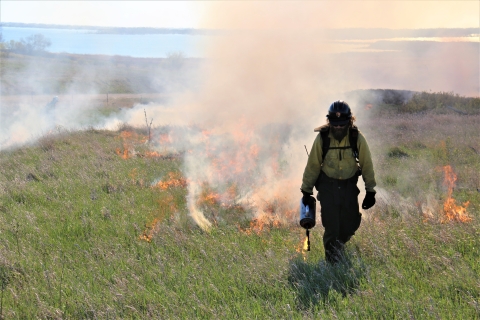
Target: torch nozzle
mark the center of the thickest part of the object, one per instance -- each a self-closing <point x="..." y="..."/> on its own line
<point x="308" y="240"/>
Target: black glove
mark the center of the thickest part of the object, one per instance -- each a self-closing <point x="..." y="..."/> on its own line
<point x="369" y="200"/>
<point x="307" y="198"/>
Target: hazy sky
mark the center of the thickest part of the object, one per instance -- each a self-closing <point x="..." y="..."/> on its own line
<point x="198" y="14"/>
<point x="171" y="14"/>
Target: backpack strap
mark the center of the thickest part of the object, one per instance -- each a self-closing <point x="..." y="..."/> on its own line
<point x="324" y="130"/>
<point x="353" y="141"/>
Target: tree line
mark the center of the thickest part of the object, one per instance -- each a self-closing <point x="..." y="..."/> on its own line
<point x="34" y="44"/>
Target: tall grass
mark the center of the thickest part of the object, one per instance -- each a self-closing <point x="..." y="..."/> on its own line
<point x="73" y="213"/>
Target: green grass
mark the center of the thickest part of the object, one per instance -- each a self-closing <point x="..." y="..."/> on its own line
<point x="72" y="213"/>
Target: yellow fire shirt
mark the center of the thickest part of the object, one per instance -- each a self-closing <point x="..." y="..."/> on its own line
<point x="339" y="163"/>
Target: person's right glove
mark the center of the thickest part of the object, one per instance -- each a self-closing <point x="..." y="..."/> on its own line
<point x="369" y="200"/>
<point x="307" y="198"/>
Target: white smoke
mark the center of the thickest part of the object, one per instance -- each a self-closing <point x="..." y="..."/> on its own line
<point x="28" y="118"/>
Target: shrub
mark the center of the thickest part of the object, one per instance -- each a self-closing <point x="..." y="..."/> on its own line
<point x="396" y="152"/>
<point x="424" y="101"/>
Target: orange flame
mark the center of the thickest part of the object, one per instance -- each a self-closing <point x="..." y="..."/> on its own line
<point x="164" y="139"/>
<point x="149" y="230"/>
<point x="210" y="198"/>
<point x="452" y="211"/>
<point x="302" y="248"/>
<point x="232" y="175"/>
<point x="262" y="223"/>
<point x="152" y="154"/>
<point x="166" y="206"/>
<point x="129" y="139"/>
<point x="175" y="180"/>
<point x="305" y="244"/>
<point x="124" y="154"/>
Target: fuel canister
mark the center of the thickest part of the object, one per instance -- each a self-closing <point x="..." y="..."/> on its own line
<point x="307" y="214"/>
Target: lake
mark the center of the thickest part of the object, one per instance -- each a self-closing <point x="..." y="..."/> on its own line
<point x="160" y="45"/>
<point x="82" y="41"/>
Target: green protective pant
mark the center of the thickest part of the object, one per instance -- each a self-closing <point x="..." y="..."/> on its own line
<point x="339" y="211"/>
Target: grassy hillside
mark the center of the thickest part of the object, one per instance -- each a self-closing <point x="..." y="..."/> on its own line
<point x="92" y="231"/>
<point x="405" y="101"/>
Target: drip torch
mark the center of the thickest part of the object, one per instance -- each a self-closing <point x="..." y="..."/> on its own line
<point x="307" y="217"/>
<point x="307" y="214"/>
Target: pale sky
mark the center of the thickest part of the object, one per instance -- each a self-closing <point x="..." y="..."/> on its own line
<point x="161" y="14"/>
<point x="235" y="14"/>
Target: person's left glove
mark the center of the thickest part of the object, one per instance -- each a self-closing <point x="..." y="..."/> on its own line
<point x="369" y="200"/>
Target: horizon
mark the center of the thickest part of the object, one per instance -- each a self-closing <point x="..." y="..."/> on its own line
<point x="16" y="24"/>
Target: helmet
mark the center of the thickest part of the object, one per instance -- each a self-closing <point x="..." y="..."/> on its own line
<point x="339" y="113"/>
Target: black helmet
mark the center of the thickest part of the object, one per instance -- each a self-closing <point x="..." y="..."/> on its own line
<point x="339" y="113"/>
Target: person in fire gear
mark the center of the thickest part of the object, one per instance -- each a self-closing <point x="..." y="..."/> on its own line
<point x="335" y="176"/>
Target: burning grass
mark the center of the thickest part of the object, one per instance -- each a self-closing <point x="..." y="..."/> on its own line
<point x="129" y="140"/>
<point x="263" y="223"/>
<point x="174" y="180"/>
<point x="452" y="211"/>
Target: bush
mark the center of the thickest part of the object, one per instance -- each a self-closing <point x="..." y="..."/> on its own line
<point x="424" y="101"/>
<point x="396" y="152"/>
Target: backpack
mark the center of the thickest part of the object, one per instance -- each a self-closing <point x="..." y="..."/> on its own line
<point x="353" y="138"/>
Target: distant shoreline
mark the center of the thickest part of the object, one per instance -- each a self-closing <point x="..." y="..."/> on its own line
<point x="113" y="30"/>
<point x="339" y="34"/>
